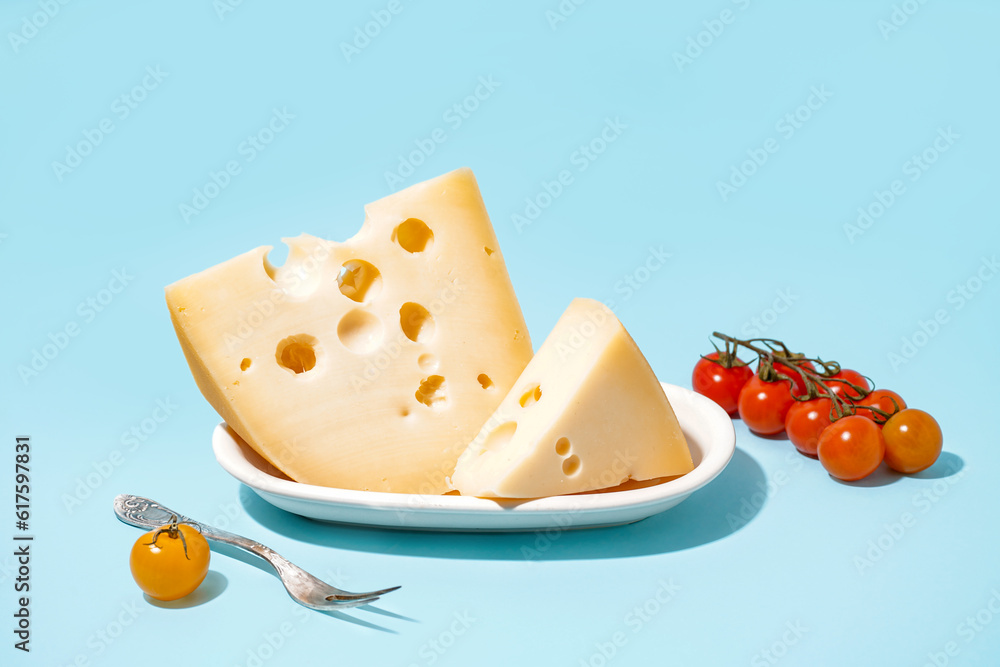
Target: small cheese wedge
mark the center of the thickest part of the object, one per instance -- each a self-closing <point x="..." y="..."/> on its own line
<point x="367" y="364"/>
<point x="587" y="413"/>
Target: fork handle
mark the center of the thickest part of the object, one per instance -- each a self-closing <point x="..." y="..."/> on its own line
<point x="149" y="514"/>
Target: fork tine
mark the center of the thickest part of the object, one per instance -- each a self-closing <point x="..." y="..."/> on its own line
<point x="346" y="604"/>
<point x="347" y="597"/>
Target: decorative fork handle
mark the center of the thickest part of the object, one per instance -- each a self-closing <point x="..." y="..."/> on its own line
<point x="149" y="514"/>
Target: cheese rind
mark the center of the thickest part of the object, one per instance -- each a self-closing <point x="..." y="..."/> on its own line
<point x="587" y="413"/>
<point x="356" y="365"/>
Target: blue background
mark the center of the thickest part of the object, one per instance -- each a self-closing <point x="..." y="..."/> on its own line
<point x="744" y="564"/>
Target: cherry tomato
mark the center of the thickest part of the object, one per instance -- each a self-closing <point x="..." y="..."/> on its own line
<point x="912" y="441"/>
<point x="854" y="378"/>
<point x="851" y="448"/>
<point x="881" y="399"/>
<point x="170" y="562"/>
<point x="805" y="421"/>
<point x="764" y="405"/>
<point x="719" y="383"/>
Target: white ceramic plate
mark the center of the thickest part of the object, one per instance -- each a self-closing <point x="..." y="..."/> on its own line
<point x="708" y="429"/>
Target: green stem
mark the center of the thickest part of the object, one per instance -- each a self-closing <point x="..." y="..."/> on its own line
<point x="817" y="384"/>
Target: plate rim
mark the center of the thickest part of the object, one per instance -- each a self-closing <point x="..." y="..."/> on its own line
<point x="716" y="456"/>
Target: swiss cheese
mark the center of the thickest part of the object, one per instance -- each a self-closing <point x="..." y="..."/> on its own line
<point x="587" y="413"/>
<point x="367" y="364"/>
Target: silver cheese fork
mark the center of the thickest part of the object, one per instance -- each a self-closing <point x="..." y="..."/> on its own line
<point x="304" y="588"/>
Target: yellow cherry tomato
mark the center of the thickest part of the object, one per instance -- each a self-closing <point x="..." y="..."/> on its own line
<point x="913" y="441"/>
<point x="170" y="562"/>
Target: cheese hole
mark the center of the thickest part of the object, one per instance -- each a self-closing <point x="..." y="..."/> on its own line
<point x="571" y="466"/>
<point x="427" y="362"/>
<point x="295" y="266"/>
<point x="296" y="353"/>
<point x="562" y="446"/>
<point x="489" y="250"/>
<point x="274" y="259"/>
<point x="245" y="364"/>
<point x="499" y="437"/>
<point x="359" y="280"/>
<point x="416" y="322"/>
<point x="360" y="331"/>
<point x="531" y="396"/>
<point x="413" y="235"/>
<point x="432" y="392"/>
<point x="485" y="381"/>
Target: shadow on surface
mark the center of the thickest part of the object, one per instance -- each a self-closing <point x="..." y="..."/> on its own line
<point x="212" y="587"/>
<point x="721" y="508"/>
<point x="882" y="476"/>
<point x="948" y="464"/>
<point x="779" y="437"/>
<point x="261" y="564"/>
<point x="354" y="620"/>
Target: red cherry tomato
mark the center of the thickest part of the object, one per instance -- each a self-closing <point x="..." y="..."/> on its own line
<point x="764" y="405"/>
<point x="805" y="422"/>
<point x="881" y="399"/>
<point x="912" y="441"/>
<point x="851" y="448"/>
<point x="854" y="378"/>
<point x="719" y="383"/>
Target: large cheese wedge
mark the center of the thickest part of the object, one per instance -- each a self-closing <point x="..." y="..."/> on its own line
<point x="368" y="364"/>
<point x="587" y="413"/>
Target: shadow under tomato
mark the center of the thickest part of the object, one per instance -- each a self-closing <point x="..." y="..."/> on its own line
<point x="883" y="476"/>
<point x="718" y="510"/>
<point x="774" y="436"/>
<point x="948" y="464"/>
<point x="212" y="587"/>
